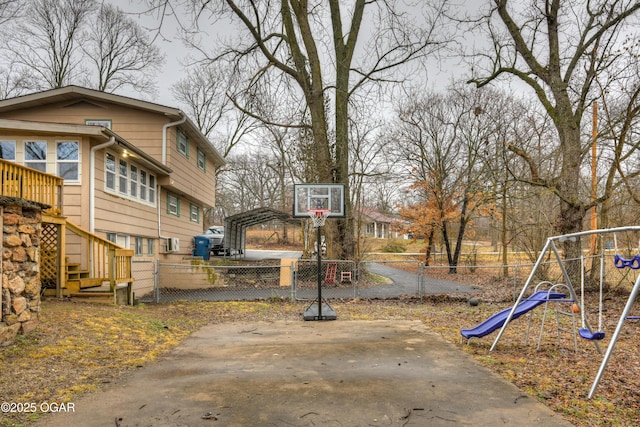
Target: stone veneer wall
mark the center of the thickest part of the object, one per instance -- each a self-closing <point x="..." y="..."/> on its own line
<point x="20" y="265"/>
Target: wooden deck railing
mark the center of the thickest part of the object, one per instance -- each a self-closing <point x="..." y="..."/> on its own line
<point x="103" y="258"/>
<point x="31" y="184"/>
<point x="122" y="262"/>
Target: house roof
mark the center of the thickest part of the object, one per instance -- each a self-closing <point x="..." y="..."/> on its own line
<point x="99" y="133"/>
<point x="70" y="93"/>
<point x="379" y="217"/>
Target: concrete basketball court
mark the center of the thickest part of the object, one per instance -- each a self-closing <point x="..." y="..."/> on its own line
<point x="315" y="373"/>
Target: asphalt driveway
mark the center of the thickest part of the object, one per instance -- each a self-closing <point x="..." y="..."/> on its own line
<point x="406" y="283"/>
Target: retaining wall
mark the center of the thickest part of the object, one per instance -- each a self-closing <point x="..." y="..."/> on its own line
<point x="19" y="266"/>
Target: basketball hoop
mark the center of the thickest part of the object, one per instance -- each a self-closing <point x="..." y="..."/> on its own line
<point x="318" y="216"/>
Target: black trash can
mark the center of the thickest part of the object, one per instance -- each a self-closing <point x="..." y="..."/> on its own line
<point x="202" y="247"/>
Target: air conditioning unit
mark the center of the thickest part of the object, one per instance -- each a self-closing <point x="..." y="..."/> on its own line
<point x="173" y="244"/>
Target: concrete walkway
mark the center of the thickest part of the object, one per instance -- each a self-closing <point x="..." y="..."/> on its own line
<point x="318" y="373"/>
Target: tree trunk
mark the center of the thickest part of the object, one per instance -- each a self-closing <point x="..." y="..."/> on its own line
<point x="427" y="253"/>
<point x="447" y="245"/>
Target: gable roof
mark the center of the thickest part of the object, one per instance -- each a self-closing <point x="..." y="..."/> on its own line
<point x="71" y="93"/>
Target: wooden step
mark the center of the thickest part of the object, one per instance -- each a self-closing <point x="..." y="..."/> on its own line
<point x="73" y="272"/>
<point x="92" y="296"/>
<point x="77" y="275"/>
<point x="75" y="285"/>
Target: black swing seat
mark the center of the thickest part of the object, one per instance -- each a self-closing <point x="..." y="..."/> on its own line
<point x="592" y="336"/>
<point x="633" y="263"/>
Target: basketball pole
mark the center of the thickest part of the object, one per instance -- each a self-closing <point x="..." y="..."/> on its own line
<point x="314" y="310"/>
<point x="319" y="251"/>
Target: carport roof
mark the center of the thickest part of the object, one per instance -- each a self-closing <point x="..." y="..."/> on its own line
<point x="235" y="225"/>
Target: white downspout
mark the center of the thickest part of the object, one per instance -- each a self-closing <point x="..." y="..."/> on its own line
<point x="164" y="162"/>
<point x="92" y="180"/>
<point x="158" y="198"/>
<point x="164" y="136"/>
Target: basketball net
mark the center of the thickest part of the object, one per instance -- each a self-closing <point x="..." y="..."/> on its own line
<point x="318" y="216"/>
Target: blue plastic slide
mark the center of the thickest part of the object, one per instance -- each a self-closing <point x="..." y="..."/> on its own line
<point x="497" y="320"/>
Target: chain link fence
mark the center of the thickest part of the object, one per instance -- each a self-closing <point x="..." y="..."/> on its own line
<point x="197" y="280"/>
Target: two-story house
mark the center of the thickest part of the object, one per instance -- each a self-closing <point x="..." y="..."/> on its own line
<point x="136" y="173"/>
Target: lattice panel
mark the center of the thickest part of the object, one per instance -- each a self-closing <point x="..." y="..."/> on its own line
<point x="49" y="256"/>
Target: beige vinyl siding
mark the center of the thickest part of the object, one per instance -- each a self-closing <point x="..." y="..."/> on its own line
<point x="115" y="214"/>
<point x="75" y="197"/>
<point x="122" y="216"/>
<point x="181" y="227"/>
<point x="51" y="153"/>
<point x="187" y="178"/>
<point x="142" y="128"/>
<point x="118" y="214"/>
<point x="72" y="205"/>
<point x="73" y="193"/>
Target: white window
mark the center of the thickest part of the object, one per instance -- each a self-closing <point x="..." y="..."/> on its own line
<point x="122" y="173"/>
<point x="143" y="186"/>
<point x="35" y="155"/>
<point x="195" y="213"/>
<point x="138" y="246"/>
<point x="133" y="188"/>
<point x="129" y="180"/>
<point x="202" y="161"/>
<point x="119" y="239"/>
<point x="8" y="150"/>
<point x="152" y="189"/>
<point x="68" y="160"/>
<point x="123" y="240"/>
<point x="173" y="205"/>
<point x="110" y="171"/>
<point x="150" y="245"/>
<point x="182" y="143"/>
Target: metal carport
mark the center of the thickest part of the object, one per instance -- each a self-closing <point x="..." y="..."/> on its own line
<point x="235" y="226"/>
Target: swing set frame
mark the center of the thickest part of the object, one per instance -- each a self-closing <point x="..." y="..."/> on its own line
<point x="551" y="245"/>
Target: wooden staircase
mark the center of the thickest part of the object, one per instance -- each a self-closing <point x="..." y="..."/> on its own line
<point x="100" y="271"/>
<point x="78" y="279"/>
<point x="109" y="266"/>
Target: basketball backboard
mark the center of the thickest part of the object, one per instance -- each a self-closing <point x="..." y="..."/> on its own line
<point x="318" y="196"/>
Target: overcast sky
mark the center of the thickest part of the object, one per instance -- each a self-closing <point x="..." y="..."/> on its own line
<point x="175" y="51"/>
<point x="172" y="47"/>
<point x="439" y="74"/>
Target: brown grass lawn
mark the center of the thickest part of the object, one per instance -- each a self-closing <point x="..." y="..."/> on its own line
<point x="80" y="347"/>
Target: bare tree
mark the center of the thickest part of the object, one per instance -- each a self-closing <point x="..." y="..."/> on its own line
<point x="558" y="49"/>
<point x="316" y="47"/>
<point x="121" y="52"/>
<point x="618" y="139"/>
<point x="441" y="141"/>
<point x="47" y="41"/>
<point x="9" y="9"/>
<point x="204" y="91"/>
<point x="372" y="181"/>
<point x="207" y="91"/>
<point x="252" y="182"/>
<point x="16" y="80"/>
